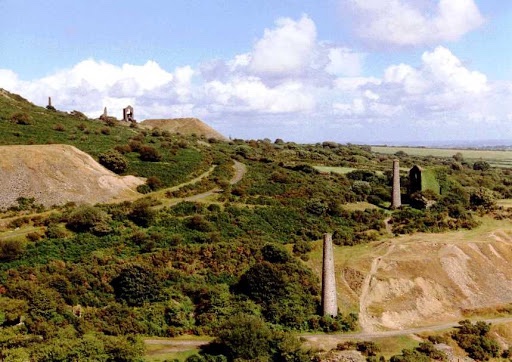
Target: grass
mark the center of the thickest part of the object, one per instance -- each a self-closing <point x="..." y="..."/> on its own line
<point x="505" y="203"/>
<point x="495" y="157"/>
<point x="331" y="169"/>
<point x="361" y="206"/>
<point x="343" y="170"/>
<point x="159" y="354"/>
<point x="429" y="181"/>
<point x="394" y="345"/>
<point x="164" y="352"/>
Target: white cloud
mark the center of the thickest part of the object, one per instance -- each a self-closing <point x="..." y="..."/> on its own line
<point x="415" y="22"/>
<point x="344" y="62"/>
<point x="286" y="49"/>
<point x="314" y="85"/>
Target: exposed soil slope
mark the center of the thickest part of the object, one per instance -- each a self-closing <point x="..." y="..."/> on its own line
<point x="186" y="126"/>
<point x="56" y="174"/>
<point x="417" y="282"/>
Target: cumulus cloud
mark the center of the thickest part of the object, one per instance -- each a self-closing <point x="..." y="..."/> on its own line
<point x="426" y="95"/>
<point x="288" y="85"/>
<point x="286" y="49"/>
<point x="415" y="22"/>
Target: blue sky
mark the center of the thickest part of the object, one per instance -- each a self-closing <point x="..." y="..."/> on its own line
<point x="366" y="71"/>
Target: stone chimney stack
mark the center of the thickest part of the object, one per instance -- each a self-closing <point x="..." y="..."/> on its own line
<point x="49" y="101"/>
<point x="396" y="200"/>
<point x="329" y="301"/>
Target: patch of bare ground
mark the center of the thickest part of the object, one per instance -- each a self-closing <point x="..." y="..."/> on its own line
<point x="429" y="279"/>
<point x="57" y="174"/>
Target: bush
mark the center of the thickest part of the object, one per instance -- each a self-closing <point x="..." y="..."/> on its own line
<point x="88" y="218"/>
<point x="11" y="249"/>
<point x="473" y="339"/>
<point x="148" y="153"/>
<point x="114" y="161"/>
<point x="154" y="183"/>
<point x="21" y="118"/>
<point x="59" y="127"/>
<point x="481" y="166"/>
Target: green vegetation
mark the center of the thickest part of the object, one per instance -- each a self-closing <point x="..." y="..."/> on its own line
<point x="230" y="265"/>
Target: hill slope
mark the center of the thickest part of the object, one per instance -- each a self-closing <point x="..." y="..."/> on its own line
<point x="56" y="174"/>
<point x="185" y="126"/>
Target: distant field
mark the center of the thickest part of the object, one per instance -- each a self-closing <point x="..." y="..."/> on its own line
<point x="341" y="170"/>
<point x="495" y="158"/>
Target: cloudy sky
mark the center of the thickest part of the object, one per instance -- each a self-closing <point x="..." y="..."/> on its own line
<point x="362" y="71"/>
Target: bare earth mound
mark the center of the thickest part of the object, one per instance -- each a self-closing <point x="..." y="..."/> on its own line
<point x="417" y="282"/>
<point x="57" y="174"/>
<point x="185" y="126"/>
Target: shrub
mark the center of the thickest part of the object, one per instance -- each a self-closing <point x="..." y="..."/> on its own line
<point x="11" y="249"/>
<point x="59" y="127"/>
<point x="154" y="183"/>
<point x="88" y="218"/>
<point x="114" y="161"/>
<point x="481" y="166"/>
<point x="474" y="340"/>
<point x="21" y="118"/>
<point x="148" y="153"/>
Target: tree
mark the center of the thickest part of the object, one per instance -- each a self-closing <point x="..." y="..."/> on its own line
<point x="244" y="336"/>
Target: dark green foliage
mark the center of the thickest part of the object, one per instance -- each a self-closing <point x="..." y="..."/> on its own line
<point x="137" y="284"/>
<point x="275" y="254"/>
<point x="141" y="213"/>
<point x="482" y="197"/>
<point x="11" y="249"/>
<point x="426" y="352"/>
<point x="247" y="337"/>
<point x="481" y="166"/>
<point x="474" y="339"/>
<point x="114" y="161"/>
<point x="287" y="294"/>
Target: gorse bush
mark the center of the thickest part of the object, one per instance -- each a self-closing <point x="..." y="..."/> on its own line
<point x="114" y="161"/>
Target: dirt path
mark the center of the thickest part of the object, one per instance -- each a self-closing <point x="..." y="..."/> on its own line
<point x="331" y="340"/>
<point x="319" y="341"/>
<point x="365" y="321"/>
<point x="240" y="171"/>
<point x="178" y="345"/>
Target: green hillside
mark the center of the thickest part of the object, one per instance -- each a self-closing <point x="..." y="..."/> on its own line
<point x="217" y="244"/>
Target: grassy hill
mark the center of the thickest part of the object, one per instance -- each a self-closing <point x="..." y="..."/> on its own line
<point x="224" y="243"/>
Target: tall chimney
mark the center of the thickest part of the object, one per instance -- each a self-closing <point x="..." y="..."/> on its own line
<point x="396" y="200"/>
<point x="49" y="101"/>
<point x="329" y="302"/>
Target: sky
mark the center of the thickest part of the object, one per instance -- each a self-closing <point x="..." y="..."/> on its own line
<point x="359" y="71"/>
